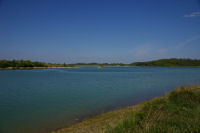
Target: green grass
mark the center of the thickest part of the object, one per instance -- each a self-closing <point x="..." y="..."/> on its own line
<point x="177" y="112"/>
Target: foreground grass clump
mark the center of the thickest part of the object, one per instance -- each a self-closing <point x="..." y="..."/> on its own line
<point x="177" y="112"/>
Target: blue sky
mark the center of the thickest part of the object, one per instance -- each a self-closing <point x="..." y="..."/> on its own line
<point x="74" y="31"/>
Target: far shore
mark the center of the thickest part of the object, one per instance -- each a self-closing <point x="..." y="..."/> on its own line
<point x="28" y="68"/>
<point x="27" y="64"/>
<point x="14" y="68"/>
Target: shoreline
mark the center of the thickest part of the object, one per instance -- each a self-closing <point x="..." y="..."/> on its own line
<point x="28" y="68"/>
<point x="102" y="122"/>
<point x="97" y="120"/>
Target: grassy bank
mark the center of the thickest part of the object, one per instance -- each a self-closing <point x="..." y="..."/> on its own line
<point x="177" y="111"/>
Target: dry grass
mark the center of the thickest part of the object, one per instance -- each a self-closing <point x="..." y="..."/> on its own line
<point x="100" y="123"/>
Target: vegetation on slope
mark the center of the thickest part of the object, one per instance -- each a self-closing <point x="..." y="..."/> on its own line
<point x="176" y="112"/>
<point x="169" y="63"/>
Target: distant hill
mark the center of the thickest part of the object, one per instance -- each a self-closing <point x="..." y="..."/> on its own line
<point x="173" y="62"/>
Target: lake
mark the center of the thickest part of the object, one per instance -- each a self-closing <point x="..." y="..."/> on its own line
<point x="42" y="100"/>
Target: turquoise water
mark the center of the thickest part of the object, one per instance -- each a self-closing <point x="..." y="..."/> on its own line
<point x="42" y="100"/>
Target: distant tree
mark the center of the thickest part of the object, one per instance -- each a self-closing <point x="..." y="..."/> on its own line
<point x="64" y="64"/>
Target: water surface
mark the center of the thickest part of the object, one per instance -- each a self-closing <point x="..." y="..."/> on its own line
<point x="43" y="100"/>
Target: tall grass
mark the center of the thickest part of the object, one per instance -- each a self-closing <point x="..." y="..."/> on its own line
<point x="177" y="112"/>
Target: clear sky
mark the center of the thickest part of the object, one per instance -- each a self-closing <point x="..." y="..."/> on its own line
<point x="74" y="31"/>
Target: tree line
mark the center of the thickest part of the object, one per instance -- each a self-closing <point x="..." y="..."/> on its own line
<point x="21" y="63"/>
<point x="173" y="62"/>
<point x="28" y="64"/>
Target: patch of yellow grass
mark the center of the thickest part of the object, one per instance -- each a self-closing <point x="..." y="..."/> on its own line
<point x="99" y="123"/>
